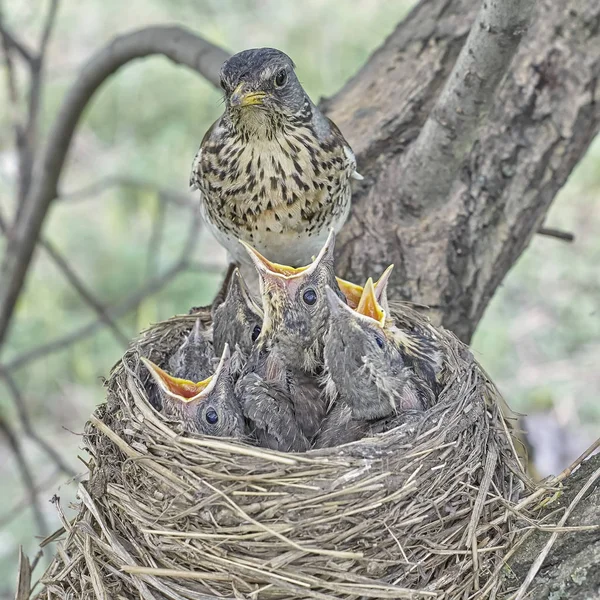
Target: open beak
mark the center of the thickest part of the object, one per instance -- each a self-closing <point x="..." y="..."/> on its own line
<point x="239" y="98"/>
<point x="185" y="390"/>
<point x="271" y="271"/>
<point x="353" y="291"/>
<point x="369" y="306"/>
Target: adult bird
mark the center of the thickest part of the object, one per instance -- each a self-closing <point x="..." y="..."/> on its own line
<point x="209" y="407"/>
<point x="279" y="388"/>
<point x="273" y="171"/>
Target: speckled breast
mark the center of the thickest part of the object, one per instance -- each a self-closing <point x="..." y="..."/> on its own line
<point x="280" y="193"/>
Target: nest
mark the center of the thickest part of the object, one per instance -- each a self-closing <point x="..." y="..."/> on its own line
<point x="417" y="512"/>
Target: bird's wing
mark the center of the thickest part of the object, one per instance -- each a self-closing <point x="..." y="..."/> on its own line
<point x="340" y="428"/>
<point x="269" y="410"/>
<point x="195" y="175"/>
<point x="339" y="138"/>
<point x="309" y="402"/>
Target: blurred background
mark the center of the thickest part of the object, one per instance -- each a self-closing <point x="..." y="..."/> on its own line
<point x="125" y="219"/>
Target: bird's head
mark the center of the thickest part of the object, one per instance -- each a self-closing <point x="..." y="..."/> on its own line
<point x="194" y="353"/>
<point x="361" y="358"/>
<point x="261" y="80"/>
<point x="208" y="407"/>
<point x="294" y="302"/>
<point x="237" y="320"/>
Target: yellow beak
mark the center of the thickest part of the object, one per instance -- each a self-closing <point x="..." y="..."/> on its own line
<point x="241" y="98"/>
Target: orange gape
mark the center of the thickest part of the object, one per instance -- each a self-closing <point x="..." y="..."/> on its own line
<point x="275" y="267"/>
<point x="181" y="387"/>
<point x="368" y="304"/>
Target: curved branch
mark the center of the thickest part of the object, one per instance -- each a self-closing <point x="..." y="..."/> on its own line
<point x="179" y="45"/>
<point x="452" y="250"/>
<point x="448" y="134"/>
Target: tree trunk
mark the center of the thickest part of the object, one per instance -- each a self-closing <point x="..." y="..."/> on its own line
<point x="572" y="569"/>
<point x="453" y="242"/>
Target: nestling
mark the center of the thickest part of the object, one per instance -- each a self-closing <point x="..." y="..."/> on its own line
<point x="273" y="171"/>
<point x="237" y="321"/>
<point x="195" y="358"/>
<point x="372" y="387"/>
<point x="279" y="389"/>
<point x="208" y="407"/>
<point x="364" y="363"/>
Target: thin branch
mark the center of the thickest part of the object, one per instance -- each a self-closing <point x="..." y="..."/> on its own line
<point x="169" y="195"/>
<point x="33" y="109"/>
<point x="12" y="42"/>
<point x="87" y="296"/>
<point x="21" y="504"/>
<point x="48" y="26"/>
<point x="155" y="240"/>
<point x="20" y="406"/>
<point x="177" y="44"/>
<point x="451" y="128"/>
<point x="565" y="236"/>
<point x="119" y="309"/>
<point x="26" y="475"/>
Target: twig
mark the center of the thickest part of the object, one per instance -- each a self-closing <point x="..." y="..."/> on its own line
<point x="155" y="240"/>
<point x="20" y="406"/>
<point x="21" y="504"/>
<point x="537" y="563"/>
<point x="448" y="134"/>
<point x="26" y="475"/>
<point x="12" y="42"/>
<point x="23" y="577"/>
<point x="177" y="44"/>
<point x="583" y="456"/>
<point x="119" y="309"/>
<point x="83" y="292"/>
<point x="78" y="285"/>
<point x="565" y="236"/>
<point x="168" y="195"/>
<point x="35" y="99"/>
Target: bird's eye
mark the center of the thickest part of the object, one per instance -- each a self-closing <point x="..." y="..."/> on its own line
<point x="211" y="416"/>
<point x="379" y="340"/>
<point x="309" y="296"/>
<point x="255" y="332"/>
<point x="223" y="85"/>
<point x="281" y="78"/>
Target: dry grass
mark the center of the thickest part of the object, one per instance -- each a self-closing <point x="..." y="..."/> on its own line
<point x="426" y="510"/>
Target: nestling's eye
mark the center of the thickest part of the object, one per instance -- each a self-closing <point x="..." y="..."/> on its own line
<point x="223" y="85"/>
<point x="281" y="78"/>
<point x="379" y="340"/>
<point x="309" y="296"/>
<point x="255" y="332"/>
<point x="211" y="416"/>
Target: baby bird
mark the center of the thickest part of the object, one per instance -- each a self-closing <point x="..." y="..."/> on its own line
<point x="279" y="389"/>
<point x="418" y="344"/>
<point x="195" y="358"/>
<point x="208" y="407"/>
<point x="237" y="321"/>
<point x="371" y="384"/>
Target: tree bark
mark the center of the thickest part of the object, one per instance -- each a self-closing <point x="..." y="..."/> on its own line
<point x="572" y="569"/>
<point x="452" y="252"/>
